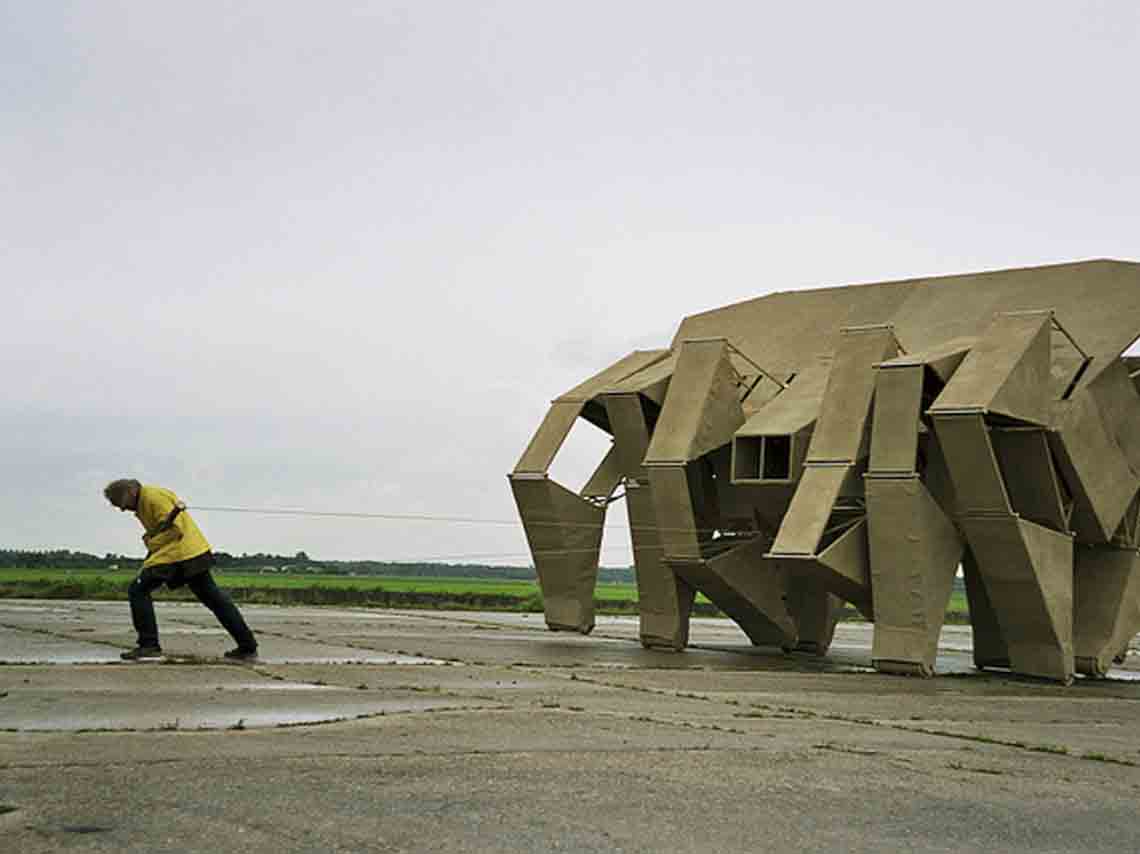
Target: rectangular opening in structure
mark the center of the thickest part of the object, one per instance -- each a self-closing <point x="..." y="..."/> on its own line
<point x="777" y="460"/>
<point x="746" y="457"/>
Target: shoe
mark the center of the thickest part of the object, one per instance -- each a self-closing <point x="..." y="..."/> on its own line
<point x="141" y="652"/>
<point x="240" y="654"/>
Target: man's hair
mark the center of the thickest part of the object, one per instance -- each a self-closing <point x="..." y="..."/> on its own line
<point x="117" y="490"/>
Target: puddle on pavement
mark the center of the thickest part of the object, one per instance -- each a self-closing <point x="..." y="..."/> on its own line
<point x="103" y="656"/>
<point x="1122" y="676"/>
<point x="233" y="716"/>
<point x="38" y="609"/>
<point x="62" y="654"/>
<point x="298" y="717"/>
<point x="63" y="659"/>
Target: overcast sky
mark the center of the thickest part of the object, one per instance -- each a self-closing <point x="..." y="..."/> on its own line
<point x="339" y="256"/>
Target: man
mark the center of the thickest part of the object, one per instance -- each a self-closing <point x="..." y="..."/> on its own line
<point x="176" y="554"/>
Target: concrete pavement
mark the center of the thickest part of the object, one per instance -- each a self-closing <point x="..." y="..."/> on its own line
<point x="369" y="730"/>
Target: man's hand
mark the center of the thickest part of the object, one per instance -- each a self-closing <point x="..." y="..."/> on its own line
<point x="155" y="539"/>
<point x="168" y="523"/>
<point x="159" y="539"/>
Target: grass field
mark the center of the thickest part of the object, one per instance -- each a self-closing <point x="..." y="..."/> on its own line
<point x="487" y="594"/>
<point x="279" y="581"/>
<point x="495" y="594"/>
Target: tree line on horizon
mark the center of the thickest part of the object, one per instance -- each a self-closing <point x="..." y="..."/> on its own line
<point x="298" y="563"/>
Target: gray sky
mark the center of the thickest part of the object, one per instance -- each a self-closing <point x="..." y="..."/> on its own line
<point x="339" y="256"/>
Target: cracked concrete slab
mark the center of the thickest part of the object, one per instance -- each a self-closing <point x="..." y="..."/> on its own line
<point x="190" y="697"/>
<point x="420" y="731"/>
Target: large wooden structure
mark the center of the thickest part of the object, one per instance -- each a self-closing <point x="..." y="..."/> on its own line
<point x="859" y="444"/>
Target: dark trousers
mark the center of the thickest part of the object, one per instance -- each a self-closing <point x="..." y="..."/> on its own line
<point x="209" y="594"/>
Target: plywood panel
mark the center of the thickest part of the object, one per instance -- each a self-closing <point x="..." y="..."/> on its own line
<point x="894" y="429"/>
<point x="702" y="408"/>
<point x="840" y="432"/>
<point x="1029" y="475"/>
<point x="807" y="516"/>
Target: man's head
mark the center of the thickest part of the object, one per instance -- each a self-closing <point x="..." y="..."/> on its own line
<point x="123" y="493"/>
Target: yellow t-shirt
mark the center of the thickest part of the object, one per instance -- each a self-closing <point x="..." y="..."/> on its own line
<point x="181" y="541"/>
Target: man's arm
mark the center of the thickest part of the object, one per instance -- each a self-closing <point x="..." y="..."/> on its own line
<point x="165" y="531"/>
<point x="167" y="523"/>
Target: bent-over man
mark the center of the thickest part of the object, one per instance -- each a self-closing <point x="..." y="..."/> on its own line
<point x="176" y="553"/>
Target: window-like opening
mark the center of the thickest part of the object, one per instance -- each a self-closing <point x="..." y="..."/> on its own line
<point x="760" y="458"/>
<point x="746" y="451"/>
<point x="581" y="451"/>
<point x="777" y="457"/>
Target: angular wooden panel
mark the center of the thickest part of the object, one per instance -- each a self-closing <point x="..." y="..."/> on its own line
<point x="631" y="433"/>
<point x="969" y="454"/>
<point x="1028" y="575"/>
<point x="664" y="601"/>
<point x="1006" y="373"/>
<point x="564" y="533"/>
<point x="702" y="408"/>
<point x="943" y="359"/>
<point x="673" y="507"/>
<point x="894" y="429"/>
<point x="748" y="588"/>
<point x="990" y="649"/>
<point x="623" y="369"/>
<point x="1106" y="613"/>
<point x="844" y="568"/>
<point x="605" y="478"/>
<point x="914" y="552"/>
<point x="806" y="519"/>
<point x="1025" y="393"/>
<point x="1095" y="468"/>
<point x="1119" y="407"/>
<point x="840" y="433"/>
<point x="1030" y="477"/>
<point x="795" y="408"/>
<point x="815" y="611"/>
